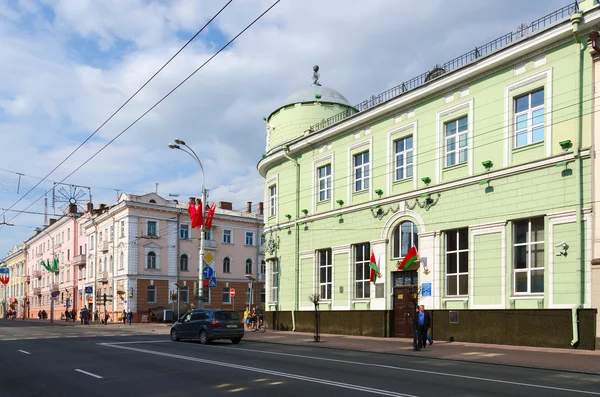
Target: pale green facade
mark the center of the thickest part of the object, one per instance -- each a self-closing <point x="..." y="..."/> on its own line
<point x="545" y="185"/>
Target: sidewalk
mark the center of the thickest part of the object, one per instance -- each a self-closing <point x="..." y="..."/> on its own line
<point x="582" y="361"/>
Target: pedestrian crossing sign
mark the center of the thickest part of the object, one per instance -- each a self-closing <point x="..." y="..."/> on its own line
<point x="209" y="258"/>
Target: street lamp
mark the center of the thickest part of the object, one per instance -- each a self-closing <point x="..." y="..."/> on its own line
<point x="178" y="145"/>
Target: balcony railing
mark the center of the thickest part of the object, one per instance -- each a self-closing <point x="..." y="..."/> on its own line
<point x="151" y="271"/>
<point x="78" y="260"/>
<point x="522" y="32"/>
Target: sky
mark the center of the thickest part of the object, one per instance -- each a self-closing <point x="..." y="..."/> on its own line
<point x="67" y="65"/>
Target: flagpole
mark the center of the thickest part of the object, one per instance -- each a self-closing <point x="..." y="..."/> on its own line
<point x="202" y="227"/>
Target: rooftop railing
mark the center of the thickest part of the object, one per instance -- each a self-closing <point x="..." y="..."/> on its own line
<point x="523" y="31"/>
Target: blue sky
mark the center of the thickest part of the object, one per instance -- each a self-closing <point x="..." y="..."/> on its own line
<point x="67" y="65"/>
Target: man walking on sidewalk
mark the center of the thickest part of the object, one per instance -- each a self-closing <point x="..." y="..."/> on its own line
<point x="423" y="323"/>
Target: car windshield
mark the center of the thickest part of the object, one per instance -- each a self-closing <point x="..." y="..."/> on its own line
<point x="226" y="316"/>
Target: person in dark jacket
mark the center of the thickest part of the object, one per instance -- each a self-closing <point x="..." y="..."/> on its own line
<point x="423" y="323"/>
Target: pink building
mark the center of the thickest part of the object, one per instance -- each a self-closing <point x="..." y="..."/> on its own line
<point x="50" y="253"/>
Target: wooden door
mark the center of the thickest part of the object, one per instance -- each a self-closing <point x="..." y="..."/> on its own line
<point x="403" y="313"/>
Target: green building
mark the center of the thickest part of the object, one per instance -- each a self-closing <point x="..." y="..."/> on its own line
<point x="483" y="164"/>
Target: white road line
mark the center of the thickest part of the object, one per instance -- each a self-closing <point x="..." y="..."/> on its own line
<point x="130" y="343"/>
<point x="268" y="372"/>
<point x="422" y="371"/>
<point x="88" y="373"/>
<point x="23" y="351"/>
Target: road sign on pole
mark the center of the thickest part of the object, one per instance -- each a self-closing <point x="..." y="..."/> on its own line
<point x="207" y="272"/>
<point x="232" y="292"/>
<point x="212" y="282"/>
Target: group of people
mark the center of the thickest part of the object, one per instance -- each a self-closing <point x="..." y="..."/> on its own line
<point x="42" y="315"/>
<point x="252" y="316"/>
<point x="69" y="315"/>
<point x="10" y="314"/>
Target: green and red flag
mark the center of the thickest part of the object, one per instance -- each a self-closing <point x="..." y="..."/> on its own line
<point x="411" y="257"/>
<point x="374" y="268"/>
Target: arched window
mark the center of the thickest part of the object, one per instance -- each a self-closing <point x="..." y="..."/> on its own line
<point x="263" y="267"/>
<point x="151" y="260"/>
<point x="405" y="236"/>
<point x="100" y="265"/>
<point x="122" y="261"/>
<point x="152" y="201"/>
<point x="226" y="265"/>
<point x="183" y="263"/>
<point x="248" y="266"/>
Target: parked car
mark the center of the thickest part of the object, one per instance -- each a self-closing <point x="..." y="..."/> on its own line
<point x="208" y="325"/>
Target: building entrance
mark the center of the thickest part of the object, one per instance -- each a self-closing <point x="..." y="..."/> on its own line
<point x="404" y="302"/>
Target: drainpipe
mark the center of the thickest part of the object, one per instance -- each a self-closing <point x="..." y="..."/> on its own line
<point x="286" y="150"/>
<point x="575" y="323"/>
<point x="578" y="167"/>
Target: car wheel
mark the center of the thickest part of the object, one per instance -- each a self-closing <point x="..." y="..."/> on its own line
<point x="203" y="337"/>
<point x="174" y="336"/>
<point x="235" y="341"/>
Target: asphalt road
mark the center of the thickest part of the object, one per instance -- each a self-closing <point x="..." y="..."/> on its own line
<point x="151" y="365"/>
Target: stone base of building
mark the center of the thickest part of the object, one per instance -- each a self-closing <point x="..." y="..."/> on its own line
<point x="538" y="327"/>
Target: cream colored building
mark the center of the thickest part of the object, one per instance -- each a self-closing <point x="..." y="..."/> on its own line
<point x="14" y="293"/>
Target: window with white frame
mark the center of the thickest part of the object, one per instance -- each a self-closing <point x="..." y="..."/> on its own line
<point x="529" y="118"/>
<point x="184" y="232"/>
<point x="69" y="234"/>
<point x="249" y="238"/>
<point x="112" y="233"/>
<point x="404" y="237"/>
<point x="273" y="200"/>
<point x="361" y="171"/>
<point x="263" y="267"/>
<point x="226" y="296"/>
<point x="151" y="294"/>
<point x="208" y="235"/>
<point x="528" y="253"/>
<point x="457" y="262"/>
<point x="122" y="228"/>
<point x="362" y="272"/>
<point x="324" y="182"/>
<point x="121" y="261"/>
<point x="404" y="158"/>
<point x="248" y="266"/>
<point x="227" y="236"/>
<point x="226" y="265"/>
<point x="325" y="273"/>
<point x="456" y="138"/>
<point x="151" y="260"/>
<point x="262" y="240"/>
<point x="274" y="281"/>
<point x="112" y="265"/>
<point x="152" y="230"/>
<point x="183" y="263"/>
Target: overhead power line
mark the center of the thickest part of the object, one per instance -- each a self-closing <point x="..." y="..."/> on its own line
<point x="119" y="109"/>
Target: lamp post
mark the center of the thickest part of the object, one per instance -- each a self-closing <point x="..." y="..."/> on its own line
<point x="180" y="145"/>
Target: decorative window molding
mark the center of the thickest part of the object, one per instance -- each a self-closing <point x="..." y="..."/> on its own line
<point x="394" y="134"/>
<point x="272" y="205"/>
<point x="316" y="164"/>
<point x="440" y="142"/>
<point x="508" y="111"/>
<point x="368" y="145"/>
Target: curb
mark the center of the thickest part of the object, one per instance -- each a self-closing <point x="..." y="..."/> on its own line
<point x="433" y="358"/>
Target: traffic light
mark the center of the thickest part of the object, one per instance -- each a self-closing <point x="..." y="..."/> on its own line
<point x="205" y="296"/>
<point x="105" y="299"/>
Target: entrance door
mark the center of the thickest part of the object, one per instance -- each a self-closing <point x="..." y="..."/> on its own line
<point x="404" y="306"/>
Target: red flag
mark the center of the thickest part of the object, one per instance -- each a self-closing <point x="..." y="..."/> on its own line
<point x="192" y="212"/>
<point x="210" y="215"/>
<point x="199" y="216"/>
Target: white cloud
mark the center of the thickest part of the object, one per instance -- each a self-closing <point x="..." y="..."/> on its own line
<point x="67" y="65"/>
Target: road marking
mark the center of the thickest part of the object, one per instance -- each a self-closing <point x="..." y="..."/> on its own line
<point x="23" y="351"/>
<point x="266" y="371"/>
<point x="422" y="371"/>
<point x="133" y="342"/>
<point x="88" y="373"/>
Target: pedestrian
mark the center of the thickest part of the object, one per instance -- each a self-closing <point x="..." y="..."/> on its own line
<point x="124" y="316"/>
<point x="129" y="316"/>
<point x="423" y="324"/>
<point x="82" y="315"/>
<point x="106" y="316"/>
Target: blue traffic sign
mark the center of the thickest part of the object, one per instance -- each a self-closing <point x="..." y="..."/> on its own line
<point x="212" y="282"/>
<point x="89" y="290"/>
<point x="207" y="272"/>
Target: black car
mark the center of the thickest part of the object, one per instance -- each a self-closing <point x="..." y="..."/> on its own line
<point x="209" y="324"/>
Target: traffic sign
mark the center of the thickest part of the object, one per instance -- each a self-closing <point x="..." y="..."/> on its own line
<point x="212" y="282"/>
<point x="209" y="258"/>
<point x="207" y="272"/>
<point x="89" y="290"/>
<point x="232" y="292"/>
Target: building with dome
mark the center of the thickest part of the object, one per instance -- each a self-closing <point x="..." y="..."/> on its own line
<point x="470" y="186"/>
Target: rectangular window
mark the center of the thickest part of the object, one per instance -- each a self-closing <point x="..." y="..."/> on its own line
<point x="362" y="273"/>
<point x="112" y="233"/>
<point x="324" y="181"/>
<point x="273" y="200"/>
<point x="122" y="228"/>
<point x="361" y="172"/>
<point x="457" y="262"/>
<point x="249" y="238"/>
<point x="529" y="118"/>
<point x="184" y="295"/>
<point x="184" y="232"/>
<point x="528" y="256"/>
<point x="227" y="236"/>
<point x="151" y="294"/>
<point x="274" y="281"/>
<point x="226" y="296"/>
<point x="404" y="158"/>
<point x="152" y="229"/>
<point x="456" y="141"/>
<point x="325" y="273"/>
<point x="208" y="235"/>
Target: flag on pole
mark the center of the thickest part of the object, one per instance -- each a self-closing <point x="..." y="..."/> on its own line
<point x="192" y="212"/>
<point x="210" y="215"/>
<point x="4" y="275"/>
<point x="374" y="268"/>
<point x="411" y="257"/>
<point x="199" y="215"/>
